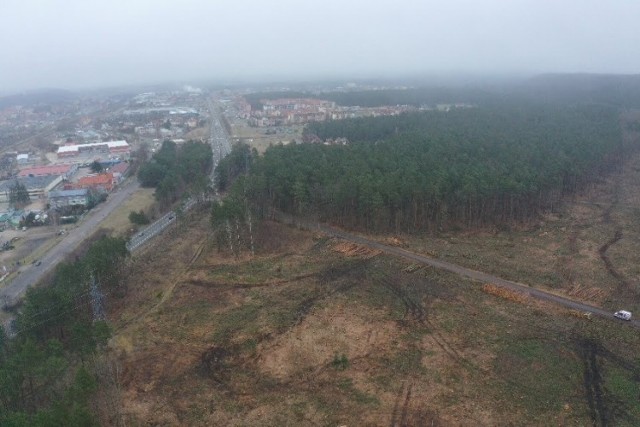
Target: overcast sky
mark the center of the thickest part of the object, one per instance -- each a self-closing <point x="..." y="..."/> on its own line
<point x="84" y="43"/>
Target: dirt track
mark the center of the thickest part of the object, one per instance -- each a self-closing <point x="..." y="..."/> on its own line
<point x="447" y="266"/>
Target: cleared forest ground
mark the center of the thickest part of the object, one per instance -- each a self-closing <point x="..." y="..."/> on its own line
<point x="316" y="331"/>
<point x="590" y="251"/>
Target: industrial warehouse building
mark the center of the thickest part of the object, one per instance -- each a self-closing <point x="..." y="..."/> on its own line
<point x="37" y="186"/>
<point x="113" y="148"/>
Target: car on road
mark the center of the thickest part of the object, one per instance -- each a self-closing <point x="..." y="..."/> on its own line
<point x="622" y="314"/>
<point x="37" y="263"/>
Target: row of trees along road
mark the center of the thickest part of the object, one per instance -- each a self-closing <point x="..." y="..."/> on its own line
<point x="175" y="171"/>
<point x="231" y="218"/>
<point x="48" y="370"/>
<point x="424" y="171"/>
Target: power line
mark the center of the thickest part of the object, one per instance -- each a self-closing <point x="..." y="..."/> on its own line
<point x="84" y="304"/>
<point x="57" y="304"/>
<point x="96" y="300"/>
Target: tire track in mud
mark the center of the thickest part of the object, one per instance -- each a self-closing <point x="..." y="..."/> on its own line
<point x="400" y="415"/>
<point x="240" y="285"/>
<point x="475" y="275"/>
<point x="405" y="407"/>
<point x="418" y="313"/>
<point x="396" y="406"/>
<point x="329" y="276"/>
<point x="411" y="309"/>
<point x="603" y="407"/>
<point x="218" y="360"/>
<point x="602" y="410"/>
<point x="593" y="384"/>
<point x="623" y="284"/>
<point x="602" y="251"/>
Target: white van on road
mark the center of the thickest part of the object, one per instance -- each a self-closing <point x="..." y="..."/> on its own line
<point x="622" y="314"/>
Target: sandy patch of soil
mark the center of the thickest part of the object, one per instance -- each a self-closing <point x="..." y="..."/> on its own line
<point x="326" y="332"/>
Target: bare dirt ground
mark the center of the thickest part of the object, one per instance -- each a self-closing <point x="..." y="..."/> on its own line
<point x="198" y="134"/>
<point x="259" y="139"/>
<point x="118" y="222"/>
<point x="589" y="250"/>
<point x="316" y="331"/>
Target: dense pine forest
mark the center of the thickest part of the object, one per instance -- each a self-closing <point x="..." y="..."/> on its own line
<point x="177" y="170"/>
<point x="469" y="167"/>
<point x="620" y="90"/>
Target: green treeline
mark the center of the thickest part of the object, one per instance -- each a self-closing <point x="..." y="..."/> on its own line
<point x="233" y="165"/>
<point x="254" y="98"/>
<point x="568" y="89"/>
<point x="231" y="218"/>
<point x="618" y="90"/>
<point x="467" y="167"/>
<point x="47" y="373"/>
<point x="378" y="98"/>
<point x="415" y="97"/>
<point x="174" y="170"/>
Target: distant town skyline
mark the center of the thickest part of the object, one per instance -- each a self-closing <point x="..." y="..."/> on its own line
<point x="78" y="44"/>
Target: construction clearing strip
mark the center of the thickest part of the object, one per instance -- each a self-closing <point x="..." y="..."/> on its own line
<point x="447" y="266"/>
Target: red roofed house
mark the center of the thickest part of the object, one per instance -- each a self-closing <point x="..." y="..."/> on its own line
<point x="103" y="182"/>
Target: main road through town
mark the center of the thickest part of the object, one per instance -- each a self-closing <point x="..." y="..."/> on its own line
<point x="12" y="292"/>
<point x="32" y="274"/>
<point x="220" y="147"/>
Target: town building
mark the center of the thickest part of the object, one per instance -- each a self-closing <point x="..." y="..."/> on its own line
<point x="113" y="148"/>
<point x="64" y="198"/>
<point x="270" y="106"/>
<point x="22" y="159"/>
<point x="37" y="186"/>
<point x="66" y="171"/>
<point x="119" y="171"/>
<point x="103" y="182"/>
<point x="11" y="218"/>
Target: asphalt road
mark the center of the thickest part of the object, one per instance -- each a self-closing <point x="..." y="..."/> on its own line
<point x="31" y="274"/>
<point x="153" y="230"/>
<point x="462" y="271"/>
<point x="220" y="146"/>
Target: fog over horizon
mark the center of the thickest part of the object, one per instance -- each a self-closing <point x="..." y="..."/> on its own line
<point x="77" y="44"/>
